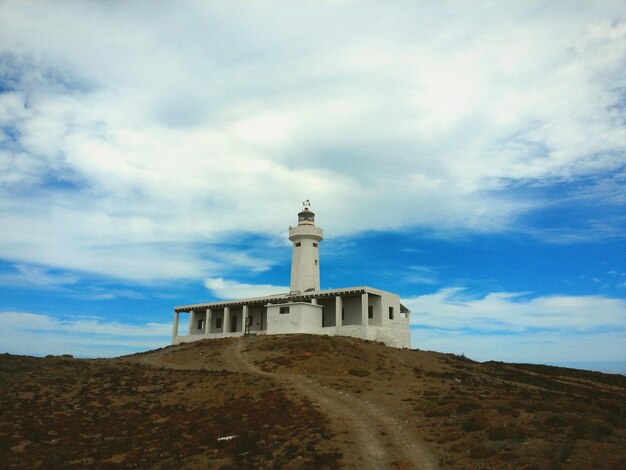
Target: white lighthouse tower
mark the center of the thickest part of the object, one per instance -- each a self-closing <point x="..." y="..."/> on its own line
<point x="305" y="264"/>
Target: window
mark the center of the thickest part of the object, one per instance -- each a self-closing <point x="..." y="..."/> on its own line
<point x="370" y="311"/>
<point x="298" y="244"/>
<point x="305" y="216"/>
<point x="201" y="324"/>
<point x="315" y="262"/>
<point x="343" y="313"/>
<point x="283" y="310"/>
<point x="390" y="313"/>
<point x="314" y="245"/>
<point x="218" y="323"/>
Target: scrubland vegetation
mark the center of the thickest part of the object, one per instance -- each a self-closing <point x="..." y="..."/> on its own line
<point x="190" y="406"/>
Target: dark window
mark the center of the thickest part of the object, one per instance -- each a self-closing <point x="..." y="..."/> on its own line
<point x="343" y="313"/>
<point x="390" y="313"/>
<point x="370" y="311"/>
<point x="218" y="323"/>
<point x="284" y="310"/>
<point x="315" y="262"/>
<point x="315" y="245"/>
<point x="298" y="243"/>
<point x="201" y="324"/>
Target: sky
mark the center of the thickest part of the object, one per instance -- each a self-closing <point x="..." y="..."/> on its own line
<point x="467" y="155"/>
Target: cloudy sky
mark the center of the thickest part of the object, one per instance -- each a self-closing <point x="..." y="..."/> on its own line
<point x="470" y="156"/>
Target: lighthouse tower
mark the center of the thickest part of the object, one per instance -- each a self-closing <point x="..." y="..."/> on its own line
<point x="305" y="264"/>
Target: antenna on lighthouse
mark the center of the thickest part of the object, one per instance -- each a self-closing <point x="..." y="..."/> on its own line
<point x="306" y="204"/>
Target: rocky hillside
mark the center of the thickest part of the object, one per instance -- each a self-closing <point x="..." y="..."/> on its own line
<point x="306" y="402"/>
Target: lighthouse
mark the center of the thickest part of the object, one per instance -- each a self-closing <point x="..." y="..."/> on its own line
<point x="360" y="311"/>
<point x="305" y="258"/>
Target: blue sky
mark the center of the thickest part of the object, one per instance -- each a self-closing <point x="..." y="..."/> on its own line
<point x="470" y="156"/>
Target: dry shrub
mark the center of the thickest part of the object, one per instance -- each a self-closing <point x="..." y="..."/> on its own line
<point x="517" y="404"/>
<point x="503" y="433"/>
<point x="567" y="449"/>
<point x="617" y="420"/>
<point x="435" y="411"/>
<point x="587" y="429"/>
<point x="359" y="372"/>
<point x="473" y="423"/>
<point x="525" y="393"/>
<point x="555" y="421"/>
<point x="506" y="409"/>
<point x="466" y="406"/>
<point x="483" y="451"/>
<point x="327" y="459"/>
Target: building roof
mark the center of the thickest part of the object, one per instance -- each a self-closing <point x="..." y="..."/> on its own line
<point x="287" y="297"/>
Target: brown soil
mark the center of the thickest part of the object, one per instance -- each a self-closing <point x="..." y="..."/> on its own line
<point x="306" y="401"/>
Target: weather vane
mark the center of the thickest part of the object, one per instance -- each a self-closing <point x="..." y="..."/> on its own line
<point x="306" y="204"/>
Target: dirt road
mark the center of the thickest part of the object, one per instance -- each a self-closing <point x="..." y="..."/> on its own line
<point x="374" y="438"/>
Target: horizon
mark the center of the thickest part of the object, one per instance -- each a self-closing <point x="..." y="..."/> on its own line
<point x="468" y="156"/>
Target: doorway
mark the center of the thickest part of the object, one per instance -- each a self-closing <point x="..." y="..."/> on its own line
<point x="233" y="324"/>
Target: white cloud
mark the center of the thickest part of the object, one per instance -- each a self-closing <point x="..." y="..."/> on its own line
<point x="520" y="327"/>
<point x="194" y="122"/>
<point x="450" y="308"/>
<point x="36" y="277"/>
<point x="37" y="334"/>
<point x="228" y="289"/>
<point x="421" y="274"/>
<point x="40" y="278"/>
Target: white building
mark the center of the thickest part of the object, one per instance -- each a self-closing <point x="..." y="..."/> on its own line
<point x="361" y="312"/>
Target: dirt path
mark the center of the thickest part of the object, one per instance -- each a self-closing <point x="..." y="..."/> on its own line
<point x="369" y="434"/>
<point x="376" y="438"/>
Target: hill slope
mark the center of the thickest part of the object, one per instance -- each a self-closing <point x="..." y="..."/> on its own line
<point x="306" y="402"/>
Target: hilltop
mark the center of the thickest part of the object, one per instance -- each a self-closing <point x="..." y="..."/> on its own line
<point x="306" y="401"/>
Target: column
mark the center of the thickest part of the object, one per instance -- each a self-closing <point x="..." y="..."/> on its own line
<point x="244" y="318"/>
<point x="226" y="322"/>
<point x="192" y="314"/>
<point x="364" y="304"/>
<point x="207" y="322"/>
<point x="175" y="331"/>
<point x="314" y="301"/>
<point x="338" y="309"/>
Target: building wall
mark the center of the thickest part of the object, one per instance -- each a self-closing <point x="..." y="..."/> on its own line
<point x="376" y="302"/>
<point x="351" y="311"/>
<point x="392" y="332"/>
<point x="302" y="318"/>
<point x="392" y="300"/>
